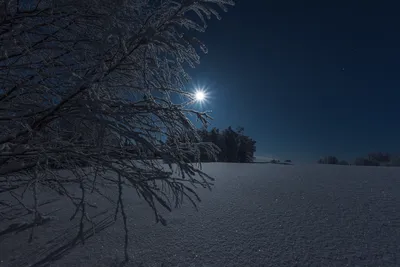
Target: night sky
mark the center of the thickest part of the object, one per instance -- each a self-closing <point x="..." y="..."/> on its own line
<point x="307" y="78"/>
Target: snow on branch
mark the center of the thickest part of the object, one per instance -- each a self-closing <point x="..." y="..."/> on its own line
<point x="87" y="86"/>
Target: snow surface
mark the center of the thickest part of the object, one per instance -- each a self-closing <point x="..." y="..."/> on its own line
<point x="256" y="215"/>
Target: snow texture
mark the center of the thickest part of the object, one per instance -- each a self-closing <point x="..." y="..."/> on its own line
<point x="257" y="215"/>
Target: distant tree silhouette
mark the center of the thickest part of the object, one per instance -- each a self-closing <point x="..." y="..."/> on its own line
<point x="379" y="157"/>
<point x="365" y="162"/>
<point x="372" y="159"/>
<point x="328" y="160"/>
<point x="231" y="143"/>
<point x="234" y="146"/>
<point x="246" y="147"/>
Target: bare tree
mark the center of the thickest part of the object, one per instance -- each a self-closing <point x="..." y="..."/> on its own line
<point x="88" y="86"/>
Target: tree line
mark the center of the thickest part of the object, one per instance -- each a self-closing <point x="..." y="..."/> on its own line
<point x="232" y="145"/>
<point x="372" y="159"/>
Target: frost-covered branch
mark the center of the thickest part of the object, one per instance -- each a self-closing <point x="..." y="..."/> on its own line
<point x="89" y="87"/>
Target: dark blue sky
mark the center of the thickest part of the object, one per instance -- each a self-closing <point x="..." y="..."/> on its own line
<point x="276" y="68"/>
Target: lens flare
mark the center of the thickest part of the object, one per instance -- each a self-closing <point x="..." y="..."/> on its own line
<point x="200" y="95"/>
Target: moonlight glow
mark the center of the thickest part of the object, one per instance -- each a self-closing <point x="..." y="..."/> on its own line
<point x="200" y="95"/>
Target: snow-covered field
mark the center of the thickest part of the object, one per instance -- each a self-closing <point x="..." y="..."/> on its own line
<point x="256" y="215"/>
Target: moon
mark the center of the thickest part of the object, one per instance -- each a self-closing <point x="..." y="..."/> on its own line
<point x="200" y="95"/>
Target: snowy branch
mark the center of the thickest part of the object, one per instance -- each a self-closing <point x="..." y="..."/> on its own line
<point x="88" y="86"/>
